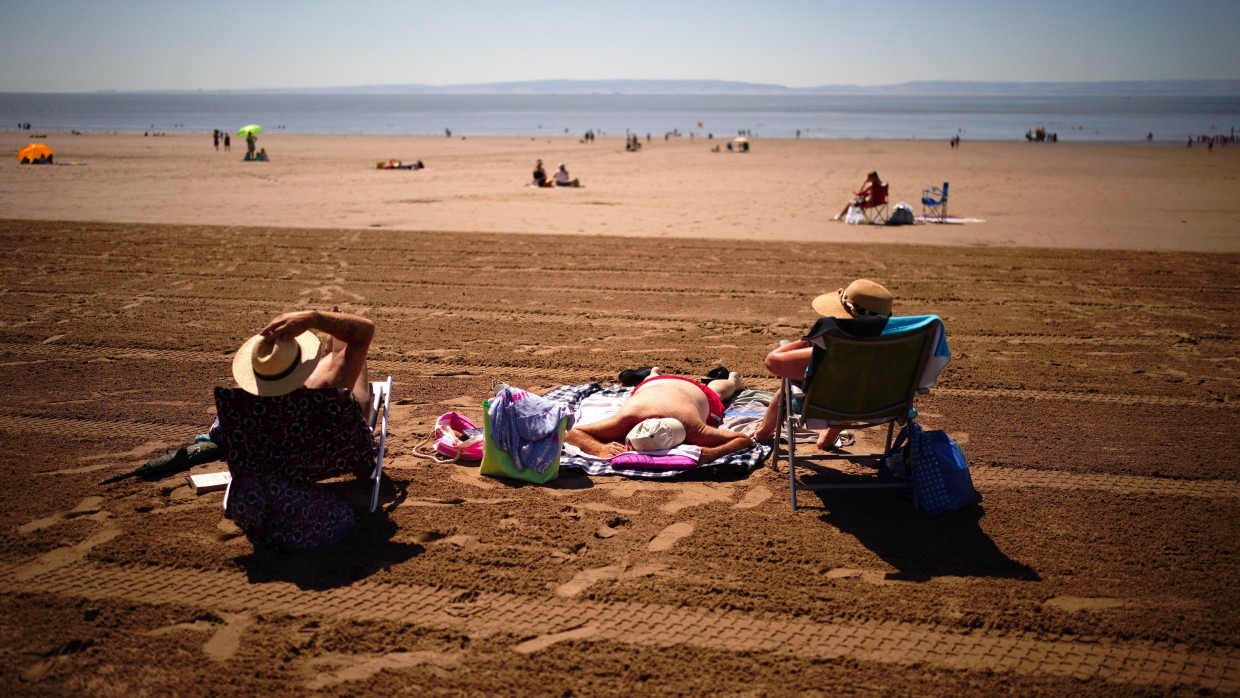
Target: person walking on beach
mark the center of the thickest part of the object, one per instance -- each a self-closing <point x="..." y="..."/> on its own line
<point x="227" y="142"/>
<point x="216" y="138"/>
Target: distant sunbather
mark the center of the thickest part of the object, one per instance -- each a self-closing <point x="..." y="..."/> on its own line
<point x="400" y="165"/>
<point x="698" y="408"/>
<point x="540" y="175"/>
<point x="562" y="179"/>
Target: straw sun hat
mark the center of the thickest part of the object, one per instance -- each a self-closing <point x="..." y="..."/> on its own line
<point x="863" y="298"/>
<point x="275" y="366"/>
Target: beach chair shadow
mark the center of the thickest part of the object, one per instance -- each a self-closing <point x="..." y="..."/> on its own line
<point x="919" y="546"/>
<point x="366" y="550"/>
<point x="863" y="373"/>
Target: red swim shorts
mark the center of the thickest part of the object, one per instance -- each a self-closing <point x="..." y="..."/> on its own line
<point x="712" y="398"/>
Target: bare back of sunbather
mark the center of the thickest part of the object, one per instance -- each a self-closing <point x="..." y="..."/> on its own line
<point x="680" y="400"/>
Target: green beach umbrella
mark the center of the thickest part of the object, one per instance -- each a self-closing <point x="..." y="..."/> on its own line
<point x="247" y="130"/>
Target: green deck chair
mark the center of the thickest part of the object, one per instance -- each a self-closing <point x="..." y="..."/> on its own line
<point x="856" y="383"/>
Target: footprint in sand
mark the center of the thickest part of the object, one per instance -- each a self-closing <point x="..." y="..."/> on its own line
<point x="611" y="528"/>
<point x="694" y="494"/>
<point x="545" y="641"/>
<point x="587" y="578"/>
<point x="223" y="643"/>
<point x="357" y="668"/>
<point x="872" y="576"/>
<point x="61" y="557"/>
<point x="91" y="506"/>
<point x="110" y="460"/>
<point x="621" y="572"/>
<point x="668" y="536"/>
<point x="755" y="496"/>
<point x="1080" y="603"/>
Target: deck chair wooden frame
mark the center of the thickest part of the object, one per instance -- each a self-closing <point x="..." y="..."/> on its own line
<point x="856" y="384"/>
<point x="376" y="418"/>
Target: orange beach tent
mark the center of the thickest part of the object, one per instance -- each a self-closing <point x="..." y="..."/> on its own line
<point x="33" y="152"/>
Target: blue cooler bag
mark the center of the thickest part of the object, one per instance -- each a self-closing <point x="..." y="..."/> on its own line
<point x="941" y="480"/>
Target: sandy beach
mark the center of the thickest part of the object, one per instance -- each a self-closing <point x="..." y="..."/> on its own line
<point x="1093" y="385"/>
<point x="1028" y="194"/>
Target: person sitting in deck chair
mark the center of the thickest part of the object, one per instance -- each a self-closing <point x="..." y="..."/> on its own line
<point x="873" y="193"/>
<point x="297" y="416"/>
<point x="696" y="407"/>
<point x="862" y="299"/>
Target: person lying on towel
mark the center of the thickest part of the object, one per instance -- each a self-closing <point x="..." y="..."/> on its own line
<point x="666" y="399"/>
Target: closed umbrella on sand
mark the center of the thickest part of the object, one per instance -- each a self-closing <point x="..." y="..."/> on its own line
<point x="33" y="152"/>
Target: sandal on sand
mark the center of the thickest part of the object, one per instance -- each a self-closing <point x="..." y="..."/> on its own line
<point x="717" y="373"/>
<point x="630" y="377"/>
<point x="845" y="438"/>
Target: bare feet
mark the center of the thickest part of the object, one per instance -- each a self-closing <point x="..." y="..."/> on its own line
<point x="737" y="381"/>
<point x="830" y="439"/>
<point x="826" y="439"/>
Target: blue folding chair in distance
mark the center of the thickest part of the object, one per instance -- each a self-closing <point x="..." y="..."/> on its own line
<point x="934" y="203"/>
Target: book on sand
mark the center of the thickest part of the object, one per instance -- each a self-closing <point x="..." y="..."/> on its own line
<point x="209" y="482"/>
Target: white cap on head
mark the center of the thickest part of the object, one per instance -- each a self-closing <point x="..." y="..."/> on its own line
<point x="655" y="434"/>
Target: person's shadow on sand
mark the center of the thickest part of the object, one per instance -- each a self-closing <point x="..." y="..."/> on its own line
<point x="918" y="545"/>
<point x="367" y="549"/>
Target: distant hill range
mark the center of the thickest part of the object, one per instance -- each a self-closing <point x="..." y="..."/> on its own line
<point x="723" y="87"/>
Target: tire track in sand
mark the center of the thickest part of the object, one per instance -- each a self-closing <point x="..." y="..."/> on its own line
<point x="550" y="621"/>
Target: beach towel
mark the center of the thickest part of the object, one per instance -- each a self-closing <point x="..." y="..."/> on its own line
<point x="737" y="464"/>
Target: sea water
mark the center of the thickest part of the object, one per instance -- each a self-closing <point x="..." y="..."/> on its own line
<point x="993" y="118"/>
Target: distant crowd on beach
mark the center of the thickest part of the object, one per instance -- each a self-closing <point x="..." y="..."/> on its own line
<point x="1211" y="140"/>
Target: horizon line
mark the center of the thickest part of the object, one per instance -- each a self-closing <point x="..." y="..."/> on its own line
<point x="638" y="86"/>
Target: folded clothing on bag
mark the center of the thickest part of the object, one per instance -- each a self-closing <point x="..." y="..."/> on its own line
<point x="528" y="428"/>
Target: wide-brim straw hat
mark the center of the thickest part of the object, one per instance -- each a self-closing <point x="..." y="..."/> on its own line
<point x="268" y="367"/>
<point x="866" y="298"/>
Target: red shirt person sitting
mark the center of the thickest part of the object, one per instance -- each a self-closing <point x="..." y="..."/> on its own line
<point x="873" y="193"/>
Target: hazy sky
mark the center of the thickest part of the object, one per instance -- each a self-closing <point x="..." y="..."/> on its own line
<point x="86" y="45"/>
